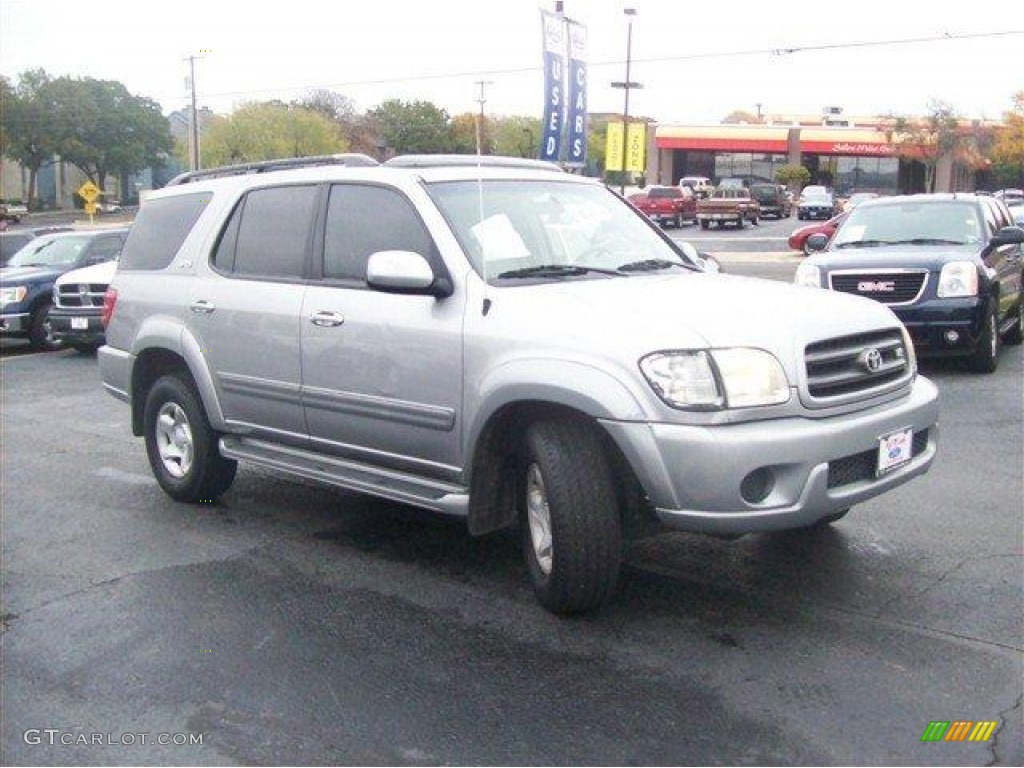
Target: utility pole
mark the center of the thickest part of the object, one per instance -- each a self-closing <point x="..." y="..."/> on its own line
<point x="480" y="118"/>
<point x="630" y="13"/>
<point x="194" y="119"/>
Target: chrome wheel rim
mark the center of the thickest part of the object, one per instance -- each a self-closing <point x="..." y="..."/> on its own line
<point x="539" y="518"/>
<point x="174" y="440"/>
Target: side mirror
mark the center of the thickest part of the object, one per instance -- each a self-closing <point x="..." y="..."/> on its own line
<point x="817" y="242"/>
<point x="1007" y="236"/>
<point x="404" y="272"/>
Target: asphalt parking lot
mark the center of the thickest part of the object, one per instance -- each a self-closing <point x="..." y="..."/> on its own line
<point x="295" y="624"/>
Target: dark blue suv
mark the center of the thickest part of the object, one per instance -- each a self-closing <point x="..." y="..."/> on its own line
<point x="949" y="265"/>
<point x="26" y="282"/>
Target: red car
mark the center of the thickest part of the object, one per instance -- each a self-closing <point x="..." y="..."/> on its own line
<point x="798" y="240"/>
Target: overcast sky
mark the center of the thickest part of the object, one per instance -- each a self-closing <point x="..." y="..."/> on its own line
<point x="698" y="60"/>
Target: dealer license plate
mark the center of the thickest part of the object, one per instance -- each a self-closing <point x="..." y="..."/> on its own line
<point x="895" y="449"/>
<point x="80" y="323"/>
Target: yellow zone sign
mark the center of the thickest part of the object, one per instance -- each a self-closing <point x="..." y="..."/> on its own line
<point x="636" y="140"/>
<point x="89" y="192"/>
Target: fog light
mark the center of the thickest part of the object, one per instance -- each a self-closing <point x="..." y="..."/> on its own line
<point x="757" y="485"/>
<point x="951" y="337"/>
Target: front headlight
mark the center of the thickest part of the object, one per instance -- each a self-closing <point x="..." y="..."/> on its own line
<point x="908" y="344"/>
<point x="720" y="378"/>
<point x="12" y="295"/>
<point x="809" y="275"/>
<point x="958" y="278"/>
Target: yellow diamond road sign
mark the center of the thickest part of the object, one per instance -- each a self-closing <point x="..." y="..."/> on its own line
<point x="89" y="192"/>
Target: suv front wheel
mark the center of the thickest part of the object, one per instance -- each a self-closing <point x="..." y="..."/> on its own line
<point x="181" y="445"/>
<point x="572" y="532"/>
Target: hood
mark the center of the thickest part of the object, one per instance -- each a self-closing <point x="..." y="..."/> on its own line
<point x="930" y="257"/>
<point x="97" y="273"/>
<point x="629" y="317"/>
<point x="28" y="275"/>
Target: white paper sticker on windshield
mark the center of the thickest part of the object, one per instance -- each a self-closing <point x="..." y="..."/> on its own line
<point x="499" y="239"/>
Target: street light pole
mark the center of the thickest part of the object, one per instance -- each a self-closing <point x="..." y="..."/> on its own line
<point x="630" y="12"/>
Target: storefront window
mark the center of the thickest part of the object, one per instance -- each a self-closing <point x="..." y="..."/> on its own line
<point x="867" y="174"/>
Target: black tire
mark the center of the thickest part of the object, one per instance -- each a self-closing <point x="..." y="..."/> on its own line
<point x="739" y="223"/>
<point x="202" y="473"/>
<point x="986" y="356"/>
<point x="1015" y="335"/>
<point x="678" y="223"/>
<point x="574" y="565"/>
<point x="705" y="225"/>
<point x="86" y="349"/>
<point x="40" y="332"/>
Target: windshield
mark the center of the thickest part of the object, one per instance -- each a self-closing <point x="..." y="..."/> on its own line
<point x="513" y="229"/>
<point x="49" y="252"/>
<point x="943" y="223"/>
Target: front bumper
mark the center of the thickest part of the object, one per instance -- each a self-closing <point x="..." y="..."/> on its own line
<point x="77" y="325"/>
<point x="700" y="478"/>
<point x="15" y="323"/>
<point x="945" y="327"/>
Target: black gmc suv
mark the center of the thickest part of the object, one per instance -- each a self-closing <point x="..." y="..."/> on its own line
<point x="949" y="266"/>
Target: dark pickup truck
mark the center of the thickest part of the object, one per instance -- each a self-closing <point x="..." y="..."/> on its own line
<point x="667" y="205"/>
<point x="773" y="200"/>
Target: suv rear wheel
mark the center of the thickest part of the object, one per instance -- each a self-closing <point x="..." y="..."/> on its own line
<point x="181" y="445"/>
<point x="572" y="532"/>
<point x="1016" y="334"/>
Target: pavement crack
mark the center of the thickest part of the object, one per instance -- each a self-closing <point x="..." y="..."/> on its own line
<point x="993" y="744"/>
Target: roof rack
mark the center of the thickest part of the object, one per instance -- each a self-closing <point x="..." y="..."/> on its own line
<point x="353" y="159"/>
<point x="487" y="161"/>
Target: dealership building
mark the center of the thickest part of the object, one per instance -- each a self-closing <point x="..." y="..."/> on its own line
<point x="848" y="155"/>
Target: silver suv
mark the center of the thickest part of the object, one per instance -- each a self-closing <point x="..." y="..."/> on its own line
<point x="503" y="342"/>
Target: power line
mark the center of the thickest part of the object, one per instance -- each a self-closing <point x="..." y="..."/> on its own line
<point x="775" y="51"/>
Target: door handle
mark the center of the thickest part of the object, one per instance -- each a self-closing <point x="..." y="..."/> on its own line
<point x="202" y="306"/>
<point x="326" y="319"/>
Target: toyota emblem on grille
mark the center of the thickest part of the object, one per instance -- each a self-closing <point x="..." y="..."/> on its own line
<point x="876" y="286"/>
<point x="871" y="359"/>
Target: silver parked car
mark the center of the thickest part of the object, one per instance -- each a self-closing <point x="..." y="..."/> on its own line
<point x="502" y="342"/>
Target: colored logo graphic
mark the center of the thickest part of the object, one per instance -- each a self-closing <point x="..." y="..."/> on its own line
<point x="959" y="730"/>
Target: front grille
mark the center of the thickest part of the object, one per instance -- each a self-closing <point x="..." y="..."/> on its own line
<point x="886" y="287"/>
<point x="852" y="364"/>
<point x="81" y="294"/>
<point x="861" y="466"/>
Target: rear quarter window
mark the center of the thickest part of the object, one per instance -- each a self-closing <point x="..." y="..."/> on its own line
<point x="159" y="230"/>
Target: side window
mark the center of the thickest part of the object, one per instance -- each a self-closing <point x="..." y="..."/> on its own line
<point x="274" y="231"/>
<point x="362" y="220"/>
<point x="160" y="229"/>
<point x="991" y="223"/>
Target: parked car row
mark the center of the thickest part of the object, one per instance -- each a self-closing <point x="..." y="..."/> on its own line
<point x="52" y="288"/>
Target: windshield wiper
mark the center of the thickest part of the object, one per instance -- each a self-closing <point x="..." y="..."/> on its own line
<point x="650" y="265"/>
<point x="928" y="241"/>
<point x="863" y="244"/>
<point x="556" y="270"/>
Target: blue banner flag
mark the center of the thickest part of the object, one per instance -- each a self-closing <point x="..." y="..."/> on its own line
<point x="577" y="122"/>
<point x="554" y="92"/>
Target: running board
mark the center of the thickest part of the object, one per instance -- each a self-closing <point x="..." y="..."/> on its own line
<point x="435" y="495"/>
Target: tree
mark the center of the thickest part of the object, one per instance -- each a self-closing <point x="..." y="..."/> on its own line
<point x="793" y="176"/>
<point x="103" y="129"/>
<point x="516" y="136"/>
<point x="29" y="129"/>
<point x="413" y="127"/>
<point x="739" y="116"/>
<point x="267" y="131"/>
<point x="1008" y="152"/>
<point x="927" y="139"/>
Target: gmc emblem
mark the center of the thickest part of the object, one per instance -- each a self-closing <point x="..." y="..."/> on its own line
<point x="876" y="286"/>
